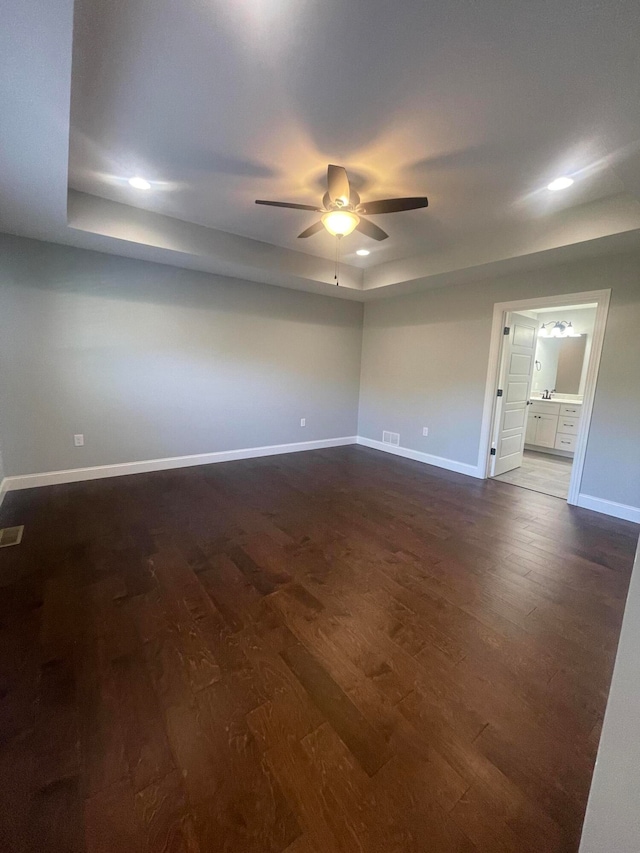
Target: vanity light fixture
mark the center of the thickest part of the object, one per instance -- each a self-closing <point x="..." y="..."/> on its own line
<point x="558" y="329"/>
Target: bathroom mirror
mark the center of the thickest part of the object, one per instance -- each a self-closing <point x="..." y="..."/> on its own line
<point x="570" y="362"/>
<point x="559" y="364"/>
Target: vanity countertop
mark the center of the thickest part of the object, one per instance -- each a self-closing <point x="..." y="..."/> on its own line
<point x="556" y="399"/>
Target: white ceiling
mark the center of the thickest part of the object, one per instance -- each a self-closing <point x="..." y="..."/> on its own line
<point x="219" y="102"/>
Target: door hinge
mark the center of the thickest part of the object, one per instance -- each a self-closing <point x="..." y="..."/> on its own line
<point x="499" y="392"/>
<point x="493" y="451"/>
<point x="506" y="331"/>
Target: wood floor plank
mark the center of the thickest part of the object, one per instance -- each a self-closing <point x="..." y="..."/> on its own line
<point x="363" y="741"/>
<point x="290" y="765"/>
<point x="55" y="819"/>
<point x="146" y="747"/>
<point x="247" y="809"/>
<point x="165" y="816"/>
<point x="111" y="822"/>
<point x="331" y="651"/>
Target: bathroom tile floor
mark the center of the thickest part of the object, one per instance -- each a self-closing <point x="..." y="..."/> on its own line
<point x="541" y="472"/>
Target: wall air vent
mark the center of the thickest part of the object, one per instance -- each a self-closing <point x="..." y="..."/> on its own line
<point x="11" y="536"/>
<point x="391" y="438"/>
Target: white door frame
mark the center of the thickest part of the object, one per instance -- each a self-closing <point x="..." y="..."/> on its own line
<point x="500" y="309"/>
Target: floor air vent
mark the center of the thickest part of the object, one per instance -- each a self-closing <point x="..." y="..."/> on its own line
<point x="11" y="536"/>
<point x="391" y="438"/>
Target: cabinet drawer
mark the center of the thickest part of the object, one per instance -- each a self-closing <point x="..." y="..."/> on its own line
<point x="541" y="408"/>
<point x="570" y="410"/>
<point x="565" y="442"/>
<point x="568" y="425"/>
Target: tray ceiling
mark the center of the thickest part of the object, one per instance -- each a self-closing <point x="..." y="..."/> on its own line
<point x="477" y="106"/>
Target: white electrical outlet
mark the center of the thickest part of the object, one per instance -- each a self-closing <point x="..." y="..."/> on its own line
<point x="303" y="421"/>
<point x="425" y="431"/>
<point x="78" y="440"/>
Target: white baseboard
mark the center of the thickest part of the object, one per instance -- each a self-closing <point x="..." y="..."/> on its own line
<point x="551" y="451"/>
<point x="97" y="472"/>
<point x="427" y="458"/>
<point x="75" y="475"/>
<point x="624" y="511"/>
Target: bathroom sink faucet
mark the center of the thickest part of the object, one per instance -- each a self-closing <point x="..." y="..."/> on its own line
<point x="547" y="394"/>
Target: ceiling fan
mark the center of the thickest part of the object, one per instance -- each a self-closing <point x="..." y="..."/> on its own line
<point x="343" y="212"/>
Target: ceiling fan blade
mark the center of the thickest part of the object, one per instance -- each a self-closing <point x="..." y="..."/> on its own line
<point x="393" y="205"/>
<point x="371" y="230"/>
<point x="289" y="204"/>
<point x="338" y="184"/>
<point x="311" y="230"/>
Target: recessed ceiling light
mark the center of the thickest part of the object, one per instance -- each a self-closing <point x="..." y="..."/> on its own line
<point x="139" y="183"/>
<point x="560" y="184"/>
<point x="363" y="253"/>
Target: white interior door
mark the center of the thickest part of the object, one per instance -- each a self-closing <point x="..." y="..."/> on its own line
<point x="518" y="357"/>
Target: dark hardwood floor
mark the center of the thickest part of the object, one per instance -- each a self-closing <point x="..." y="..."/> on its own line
<point x="327" y="651"/>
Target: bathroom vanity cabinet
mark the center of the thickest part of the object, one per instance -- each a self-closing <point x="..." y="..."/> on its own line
<point x="553" y="425"/>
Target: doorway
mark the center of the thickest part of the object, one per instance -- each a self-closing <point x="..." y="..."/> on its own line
<point x="543" y="367"/>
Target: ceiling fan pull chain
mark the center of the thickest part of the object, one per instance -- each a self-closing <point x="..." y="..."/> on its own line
<point x="337" y="280"/>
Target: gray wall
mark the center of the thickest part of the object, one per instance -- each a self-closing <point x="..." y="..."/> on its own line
<point x="424" y="363"/>
<point x="3" y="470"/>
<point x="612" y="822"/>
<point x="151" y="361"/>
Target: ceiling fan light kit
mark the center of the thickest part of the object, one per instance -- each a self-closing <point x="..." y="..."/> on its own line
<point x="339" y="223"/>
<point x="342" y="211"/>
